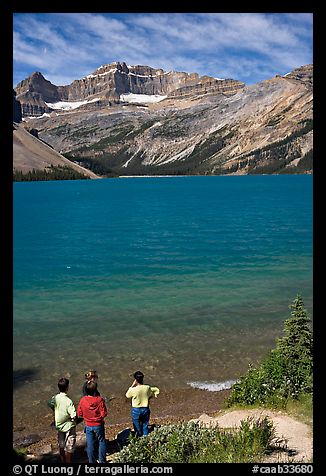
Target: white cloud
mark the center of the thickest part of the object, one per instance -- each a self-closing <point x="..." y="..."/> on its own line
<point x="67" y="46"/>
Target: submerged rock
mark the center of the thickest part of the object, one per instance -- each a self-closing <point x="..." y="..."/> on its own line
<point x="27" y="440"/>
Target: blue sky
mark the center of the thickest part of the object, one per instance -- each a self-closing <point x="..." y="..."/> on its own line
<point x="249" y="47"/>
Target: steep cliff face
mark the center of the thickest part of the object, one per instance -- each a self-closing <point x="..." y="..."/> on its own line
<point x="109" y="82"/>
<point x="303" y="75"/>
<point x="17" y="110"/>
<point x="263" y="128"/>
<point x="208" y="85"/>
<point x="34" y="92"/>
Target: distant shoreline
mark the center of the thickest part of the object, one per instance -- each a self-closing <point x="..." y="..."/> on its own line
<point x="159" y="176"/>
<point x="220" y="175"/>
<point x="167" y="176"/>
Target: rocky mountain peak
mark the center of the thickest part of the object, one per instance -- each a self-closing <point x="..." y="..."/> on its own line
<point x="108" y="82"/>
<point x="110" y="68"/>
<point x="35" y="82"/>
<point x="303" y="74"/>
<point x="33" y="93"/>
<point x="37" y="74"/>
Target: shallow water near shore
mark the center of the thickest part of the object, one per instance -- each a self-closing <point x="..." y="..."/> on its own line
<point x="186" y="278"/>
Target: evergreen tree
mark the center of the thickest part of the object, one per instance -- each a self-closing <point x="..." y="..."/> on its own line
<point x="286" y="371"/>
<point x="296" y="349"/>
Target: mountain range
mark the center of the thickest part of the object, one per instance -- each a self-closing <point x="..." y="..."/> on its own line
<point x="138" y="120"/>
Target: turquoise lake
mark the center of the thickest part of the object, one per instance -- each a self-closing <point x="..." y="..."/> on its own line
<point x="185" y="278"/>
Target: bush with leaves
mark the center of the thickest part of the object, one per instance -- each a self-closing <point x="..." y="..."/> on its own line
<point x="192" y="443"/>
<point x="286" y="371"/>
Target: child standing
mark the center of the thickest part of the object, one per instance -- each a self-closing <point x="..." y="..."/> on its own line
<point x="65" y="420"/>
<point x="93" y="409"/>
<point x="90" y="376"/>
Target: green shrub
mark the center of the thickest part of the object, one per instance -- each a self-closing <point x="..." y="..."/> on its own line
<point x="302" y="408"/>
<point x="192" y="443"/>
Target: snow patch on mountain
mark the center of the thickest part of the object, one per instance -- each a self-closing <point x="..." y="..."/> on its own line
<point x="141" y="98"/>
<point x="69" y="105"/>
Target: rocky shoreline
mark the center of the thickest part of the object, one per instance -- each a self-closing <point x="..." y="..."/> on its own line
<point x="38" y="439"/>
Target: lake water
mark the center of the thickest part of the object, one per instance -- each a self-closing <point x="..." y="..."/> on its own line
<point x="185" y="278"/>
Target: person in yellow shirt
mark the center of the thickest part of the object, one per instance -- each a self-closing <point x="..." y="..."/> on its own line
<point x="140" y="395"/>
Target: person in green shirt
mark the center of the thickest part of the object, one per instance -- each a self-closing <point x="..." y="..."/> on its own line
<point x="65" y="417"/>
<point x="140" y="395"/>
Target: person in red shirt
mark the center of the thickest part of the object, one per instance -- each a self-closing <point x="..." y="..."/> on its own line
<point x="93" y="410"/>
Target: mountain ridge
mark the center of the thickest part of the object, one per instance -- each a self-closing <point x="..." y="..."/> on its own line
<point x="192" y="127"/>
<point x="109" y="82"/>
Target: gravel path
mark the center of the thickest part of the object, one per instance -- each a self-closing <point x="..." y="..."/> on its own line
<point x="297" y="435"/>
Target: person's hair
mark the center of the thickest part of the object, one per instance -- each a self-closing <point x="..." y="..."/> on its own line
<point x="91" y="374"/>
<point x="91" y="388"/>
<point x="139" y="376"/>
<point x="63" y="384"/>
